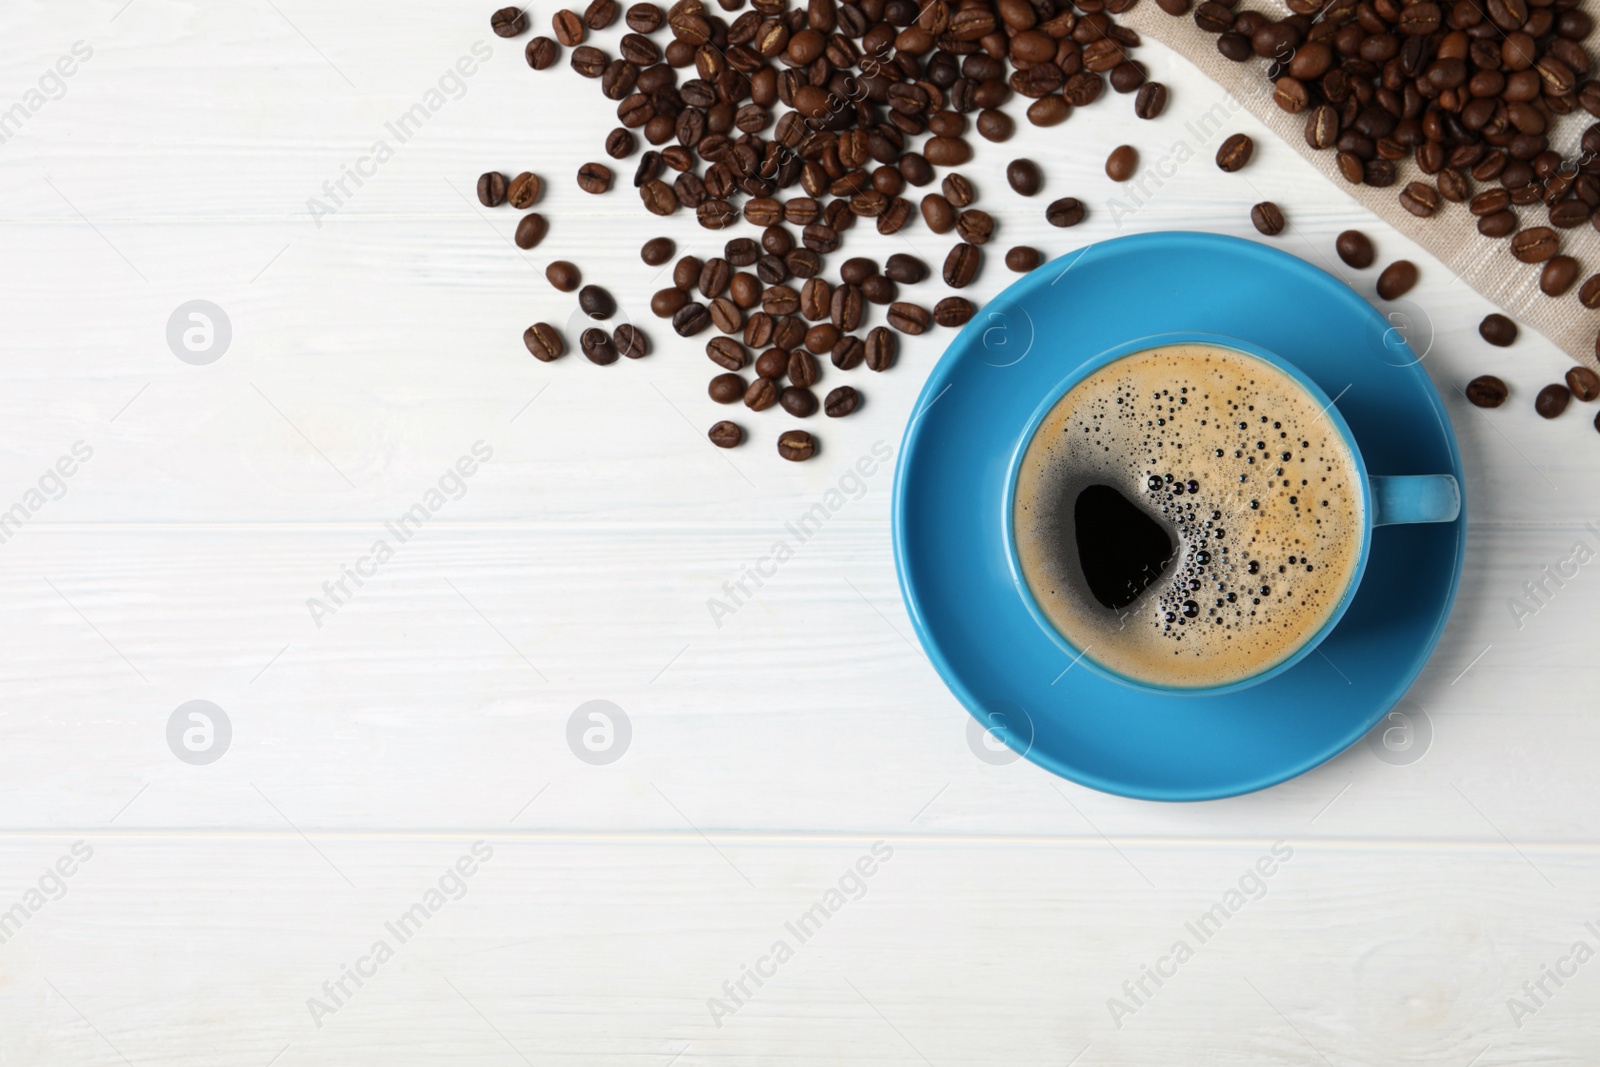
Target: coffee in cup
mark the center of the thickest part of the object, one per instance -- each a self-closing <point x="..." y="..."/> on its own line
<point x="1188" y="516"/>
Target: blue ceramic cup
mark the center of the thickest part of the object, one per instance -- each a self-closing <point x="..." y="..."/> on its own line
<point x="1386" y="499"/>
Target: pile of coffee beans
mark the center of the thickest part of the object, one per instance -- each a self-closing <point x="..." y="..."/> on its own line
<point x="1469" y="90"/>
<point x="800" y="122"/>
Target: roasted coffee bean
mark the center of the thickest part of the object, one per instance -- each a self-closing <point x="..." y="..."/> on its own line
<point x="1454" y="185"/>
<point x="995" y="125"/>
<point x="802" y="262"/>
<point x="658" y="197"/>
<point x="508" y="22"/>
<point x="815" y="296"/>
<point x="1023" y="259"/>
<point x="801" y="366"/>
<point x="686" y="272"/>
<point x="726" y="434"/>
<point x="1560" y="274"/>
<point x="1267" y="218"/>
<point x="492" y="189"/>
<point x="1151" y="100"/>
<point x="544" y="343"/>
<point x="1049" y="111"/>
<point x="600" y="14"/>
<point x="879" y="290"/>
<point x="594" y="178"/>
<point x="1397" y="279"/>
<point x="657" y="251"/>
<point x="524" y="190"/>
<point x="630" y="341"/>
<point x="1322" y="126"/>
<point x="1024" y="176"/>
<point x="589" y="61"/>
<point x="797" y="446"/>
<point x="1584" y="383"/>
<point x="788" y="332"/>
<point x="845" y="308"/>
<point x="881" y="348"/>
<point x="667" y="302"/>
<point x="569" y="28"/>
<point x="727" y="353"/>
<point x="958" y="190"/>
<point x="1235" y="152"/>
<point x="644" y="18"/>
<point x="975" y="227"/>
<point x="1498" y="330"/>
<point x="714" y="275"/>
<point x="848" y="352"/>
<point x="1490" y="202"/>
<point x="780" y="300"/>
<point x="841" y="402"/>
<point x="563" y="275"/>
<point x="773" y="363"/>
<point x="1122" y="163"/>
<point x="1500" y="224"/>
<point x="961" y="265"/>
<point x="761" y="394"/>
<point x="1535" y="245"/>
<point x="531" y="229"/>
<point x="1420" y="198"/>
<point x="1569" y="213"/>
<point x="541" y="53"/>
<point x="741" y="252"/>
<point x="596" y="302"/>
<point x="725" y="315"/>
<point x="744" y="289"/>
<point x="938" y="214"/>
<point x="690" y="319"/>
<point x="597" y="347"/>
<point x="1487" y="391"/>
<point x="905" y="269"/>
<point x="1552" y="400"/>
<point x="1589" y="294"/>
<point x="953" y="311"/>
<point x="726" y="388"/>
<point x="908" y="318"/>
<point x="798" y="401"/>
<point x="820" y="238"/>
<point x="1068" y="211"/>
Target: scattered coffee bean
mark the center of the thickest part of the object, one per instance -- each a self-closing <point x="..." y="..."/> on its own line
<point x="761" y="394"/>
<point x="1022" y="259"/>
<point x="1497" y="330"/>
<point x="975" y="227"/>
<point x="1355" y="248"/>
<point x="508" y="22"/>
<point x="1151" y="100"/>
<point x="525" y="190"/>
<point x="690" y="319"/>
<point x="905" y="269"/>
<point x="880" y="348"/>
<point x="1235" y="152"/>
<point x="1584" y="383"/>
<point x="630" y="341"/>
<point x="569" y="28"/>
<point x="796" y="446"/>
<point x="1487" y="391"/>
<point x="1535" y="245"/>
<point x="594" y="178"/>
<point x="961" y="266"/>
<point x="1068" y="211"/>
<point x="1024" y="176"/>
<point x="686" y="272"/>
<point x="541" y="53"/>
<point x="1552" y="400"/>
<point x="802" y="369"/>
<point x="531" y="229"/>
<point x="1397" y="279"/>
<point x="953" y="311"/>
<point x="714" y="275"/>
<point x="908" y="318"/>
<point x="728" y="354"/>
<point x="1122" y="163"/>
<point x="492" y="189"/>
<point x="597" y="346"/>
<point x="798" y="401"/>
<point x="1420" y="198"/>
<point x="726" y="388"/>
<point x="544" y="342"/>
<point x="726" y="434"/>
<point x="1267" y="218"/>
<point x="596" y="302"/>
<point x="1560" y="274"/>
<point x="1589" y="294"/>
<point x="563" y="275"/>
<point x="668" y="302"/>
<point x="841" y="402"/>
<point x="657" y="251"/>
<point x="621" y="143"/>
<point x="773" y="363"/>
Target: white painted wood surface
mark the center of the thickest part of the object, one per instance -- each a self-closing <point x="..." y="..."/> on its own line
<point x="768" y="755"/>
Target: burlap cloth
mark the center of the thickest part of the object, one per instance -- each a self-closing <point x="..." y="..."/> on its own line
<point x="1451" y="235"/>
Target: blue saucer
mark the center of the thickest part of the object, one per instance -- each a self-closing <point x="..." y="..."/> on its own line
<point x="949" y="519"/>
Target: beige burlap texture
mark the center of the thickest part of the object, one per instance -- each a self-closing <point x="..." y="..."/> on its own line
<point x="1451" y="235"/>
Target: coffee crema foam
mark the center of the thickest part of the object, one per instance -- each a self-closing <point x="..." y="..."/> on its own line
<point x="1253" y="484"/>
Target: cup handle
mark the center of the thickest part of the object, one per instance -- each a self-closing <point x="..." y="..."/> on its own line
<point x="1398" y="498"/>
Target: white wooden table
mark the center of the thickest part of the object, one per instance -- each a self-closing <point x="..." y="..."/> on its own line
<point x="221" y="905"/>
